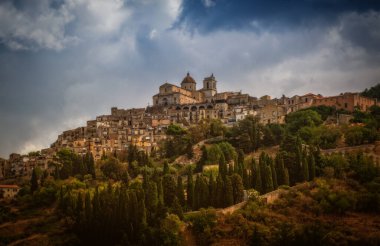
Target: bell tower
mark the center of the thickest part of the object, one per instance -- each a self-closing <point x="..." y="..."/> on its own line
<point x="209" y="86"/>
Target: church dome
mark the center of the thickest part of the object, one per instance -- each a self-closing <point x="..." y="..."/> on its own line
<point x="188" y="79"/>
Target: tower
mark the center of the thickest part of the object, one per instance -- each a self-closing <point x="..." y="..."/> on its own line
<point x="209" y="86"/>
<point x="188" y="83"/>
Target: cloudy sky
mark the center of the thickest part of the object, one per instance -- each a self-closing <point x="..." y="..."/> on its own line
<point x="63" y="62"/>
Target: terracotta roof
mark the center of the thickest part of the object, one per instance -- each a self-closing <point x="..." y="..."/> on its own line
<point x="188" y="79"/>
<point x="9" y="186"/>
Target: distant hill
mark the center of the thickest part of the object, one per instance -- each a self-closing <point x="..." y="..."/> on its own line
<point x="373" y="92"/>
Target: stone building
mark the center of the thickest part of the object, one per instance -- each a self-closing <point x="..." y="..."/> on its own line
<point x="347" y="101"/>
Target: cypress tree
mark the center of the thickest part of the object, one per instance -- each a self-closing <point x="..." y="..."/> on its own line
<point x="87" y="209"/>
<point x="189" y="151"/>
<point x="151" y="195"/>
<point x="176" y="208"/>
<point x="219" y="197"/>
<point x="204" y="194"/>
<point x="79" y="208"/>
<point x="197" y="194"/>
<point x="299" y="158"/>
<point x="229" y="197"/>
<point x="134" y="213"/>
<point x="212" y="191"/>
<point x="34" y="181"/>
<point x="190" y="189"/>
<point x="237" y="188"/>
<point x="166" y="167"/>
<point x="222" y="167"/>
<point x="281" y="171"/>
<point x="286" y="177"/>
<point x="91" y="165"/>
<point x="274" y="174"/>
<point x="240" y="162"/>
<point x="160" y="191"/>
<point x="268" y="182"/>
<point x="96" y="207"/>
<point x="142" y="214"/>
<point x="258" y="179"/>
<point x="180" y="191"/>
<point x="169" y="189"/>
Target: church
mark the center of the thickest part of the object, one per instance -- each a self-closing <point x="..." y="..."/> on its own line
<point x="170" y="94"/>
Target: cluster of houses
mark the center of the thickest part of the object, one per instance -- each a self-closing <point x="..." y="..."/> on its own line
<point x="185" y="105"/>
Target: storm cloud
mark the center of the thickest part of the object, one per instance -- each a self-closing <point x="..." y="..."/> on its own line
<point x="62" y="62"/>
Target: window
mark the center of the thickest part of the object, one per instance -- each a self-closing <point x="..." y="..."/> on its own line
<point x="345" y="105"/>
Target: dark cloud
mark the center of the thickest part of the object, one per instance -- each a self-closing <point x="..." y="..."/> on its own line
<point x="64" y="62"/>
<point x="256" y="14"/>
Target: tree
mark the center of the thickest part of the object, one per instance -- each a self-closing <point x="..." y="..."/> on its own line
<point x="237" y="188"/>
<point x="219" y="197"/>
<point x="44" y="176"/>
<point x="202" y="161"/>
<point x="87" y="208"/>
<point x="274" y="174"/>
<point x="217" y="128"/>
<point x="373" y="92"/>
<point x="166" y="167"/>
<point x="212" y="191"/>
<point x="229" y="196"/>
<point x="66" y="157"/>
<point x="222" y="167"/>
<point x="228" y="151"/>
<point x="189" y="151"/>
<point x="169" y="189"/>
<point x="180" y="189"/>
<point x="79" y="208"/>
<point x="268" y="181"/>
<point x="176" y="208"/>
<point x="214" y="153"/>
<point x="286" y="177"/>
<point x="34" y="181"/>
<point x="245" y="134"/>
<point x="151" y="195"/>
<point x="197" y="190"/>
<point x="90" y="164"/>
<point x="190" y="189"/>
<point x="175" y="130"/>
<point x="111" y="168"/>
<point x="257" y="177"/>
<point x="160" y="191"/>
<point x="299" y="119"/>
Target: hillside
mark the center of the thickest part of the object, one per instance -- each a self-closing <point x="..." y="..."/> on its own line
<point x="322" y="212"/>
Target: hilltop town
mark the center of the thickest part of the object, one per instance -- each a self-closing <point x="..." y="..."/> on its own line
<point x="184" y="105"/>
<point x="201" y="167"/>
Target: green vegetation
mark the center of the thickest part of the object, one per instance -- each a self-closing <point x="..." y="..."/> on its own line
<point x="139" y="198"/>
<point x="339" y="208"/>
<point x="373" y="92"/>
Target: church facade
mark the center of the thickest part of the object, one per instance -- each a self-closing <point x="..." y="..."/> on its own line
<point x="187" y="93"/>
